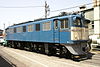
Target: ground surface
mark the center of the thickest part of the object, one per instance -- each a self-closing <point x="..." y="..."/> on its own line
<point x="4" y="63"/>
<point x="22" y="58"/>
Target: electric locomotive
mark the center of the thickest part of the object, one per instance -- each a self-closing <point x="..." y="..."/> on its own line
<point x="62" y="35"/>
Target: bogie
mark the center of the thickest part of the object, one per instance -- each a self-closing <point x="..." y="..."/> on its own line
<point x="44" y="48"/>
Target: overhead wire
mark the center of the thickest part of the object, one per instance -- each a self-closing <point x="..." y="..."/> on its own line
<point x="42" y="6"/>
<point x="36" y="6"/>
<point x="21" y="6"/>
<point x="70" y="7"/>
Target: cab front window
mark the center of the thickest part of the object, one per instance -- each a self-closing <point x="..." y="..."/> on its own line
<point x="77" y="22"/>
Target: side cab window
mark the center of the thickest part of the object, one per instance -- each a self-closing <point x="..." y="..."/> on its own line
<point x="64" y="23"/>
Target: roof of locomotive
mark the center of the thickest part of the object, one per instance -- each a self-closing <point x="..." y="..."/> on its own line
<point x="43" y="20"/>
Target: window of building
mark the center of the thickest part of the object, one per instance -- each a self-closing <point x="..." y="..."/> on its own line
<point x="0" y="32"/>
<point x="24" y="28"/>
<point x="30" y="28"/>
<point x="92" y="25"/>
<point x="37" y="27"/>
<point x="64" y="23"/>
<point x="19" y="29"/>
<point x="46" y="26"/>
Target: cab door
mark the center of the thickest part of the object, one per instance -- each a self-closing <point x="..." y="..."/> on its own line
<point x="57" y="31"/>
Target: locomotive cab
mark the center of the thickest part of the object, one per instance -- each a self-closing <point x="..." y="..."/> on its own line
<point x="79" y="29"/>
<point x="79" y="36"/>
<point x="72" y="32"/>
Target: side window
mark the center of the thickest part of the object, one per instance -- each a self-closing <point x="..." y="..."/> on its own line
<point x="64" y="23"/>
<point x="10" y="30"/>
<point x="37" y="27"/>
<point x="30" y="28"/>
<point x="14" y="30"/>
<point x="46" y="26"/>
<point x="56" y="24"/>
<point x="19" y="29"/>
<point x="24" y="28"/>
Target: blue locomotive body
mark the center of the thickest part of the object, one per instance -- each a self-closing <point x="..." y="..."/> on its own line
<point x="50" y="36"/>
<point x="68" y="31"/>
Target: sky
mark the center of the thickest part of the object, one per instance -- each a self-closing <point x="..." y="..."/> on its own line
<point x="18" y="11"/>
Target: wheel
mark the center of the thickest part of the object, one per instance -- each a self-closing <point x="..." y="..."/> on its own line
<point x="63" y="51"/>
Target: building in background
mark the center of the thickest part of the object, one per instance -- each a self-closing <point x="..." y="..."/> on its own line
<point x="1" y="32"/>
<point x="89" y="14"/>
<point x="93" y="14"/>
